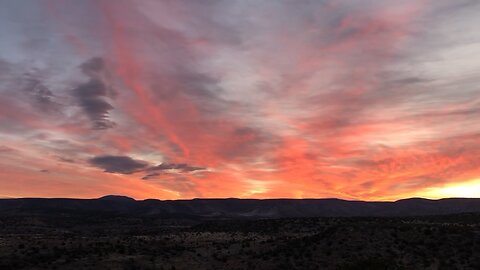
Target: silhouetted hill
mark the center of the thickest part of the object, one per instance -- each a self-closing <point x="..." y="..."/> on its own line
<point x="118" y="198"/>
<point x="237" y="208"/>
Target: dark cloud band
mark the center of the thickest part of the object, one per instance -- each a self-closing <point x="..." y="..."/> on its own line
<point x="128" y="165"/>
<point x="118" y="164"/>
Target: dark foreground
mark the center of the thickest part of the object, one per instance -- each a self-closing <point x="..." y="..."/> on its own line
<point x="121" y="242"/>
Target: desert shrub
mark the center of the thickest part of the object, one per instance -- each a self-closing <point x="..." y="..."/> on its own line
<point x="372" y="264"/>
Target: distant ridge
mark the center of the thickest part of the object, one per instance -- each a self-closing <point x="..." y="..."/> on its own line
<point x="116" y="198"/>
<point x="237" y="208"/>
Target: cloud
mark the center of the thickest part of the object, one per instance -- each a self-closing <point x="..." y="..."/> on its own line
<point x="93" y="66"/>
<point x="92" y="95"/>
<point x="42" y="96"/>
<point x="6" y="149"/>
<point x="67" y="160"/>
<point x="118" y="164"/>
<point x="150" y="176"/>
<point x="128" y="165"/>
<point x="182" y="167"/>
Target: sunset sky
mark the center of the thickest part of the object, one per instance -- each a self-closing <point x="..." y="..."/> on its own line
<point x="353" y="99"/>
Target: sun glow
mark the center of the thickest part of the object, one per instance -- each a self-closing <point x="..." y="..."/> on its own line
<point x="469" y="189"/>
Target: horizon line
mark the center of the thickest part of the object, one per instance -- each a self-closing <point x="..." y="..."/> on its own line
<point x="235" y="198"/>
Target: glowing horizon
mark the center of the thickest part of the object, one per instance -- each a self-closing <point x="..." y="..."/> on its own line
<point x="377" y="100"/>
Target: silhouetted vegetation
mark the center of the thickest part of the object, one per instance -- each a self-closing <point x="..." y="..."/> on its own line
<point x="128" y="242"/>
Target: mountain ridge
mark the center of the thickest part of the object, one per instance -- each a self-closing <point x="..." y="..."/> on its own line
<point x="237" y="208"/>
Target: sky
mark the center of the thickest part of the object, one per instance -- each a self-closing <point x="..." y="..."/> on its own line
<point x="353" y="99"/>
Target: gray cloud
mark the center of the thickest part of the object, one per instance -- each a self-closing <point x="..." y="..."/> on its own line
<point x="93" y="66"/>
<point x="91" y="96"/>
<point x="42" y="97"/>
<point x="67" y="160"/>
<point x="128" y="165"/>
<point x="150" y="176"/>
<point x="178" y="167"/>
<point x="118" y="164"/>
